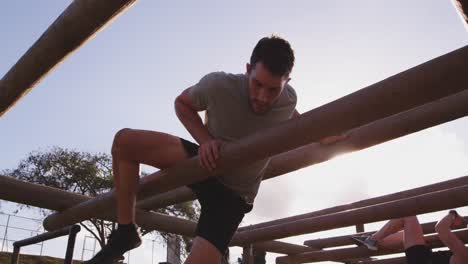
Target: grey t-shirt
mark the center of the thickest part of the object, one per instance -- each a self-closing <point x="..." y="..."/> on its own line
<point x="229" y="117"/>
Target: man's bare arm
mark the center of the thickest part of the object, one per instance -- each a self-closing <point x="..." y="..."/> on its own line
<point x="443" y="229"/>
<point x="188" y="115"/>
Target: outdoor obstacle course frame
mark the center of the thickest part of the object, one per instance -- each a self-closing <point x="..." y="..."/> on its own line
<point x="427" y="95"/>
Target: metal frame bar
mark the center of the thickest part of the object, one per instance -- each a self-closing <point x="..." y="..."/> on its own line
<point x="71" y="231"/>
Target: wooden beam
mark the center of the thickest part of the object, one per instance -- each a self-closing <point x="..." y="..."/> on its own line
<point x="77" y="24"/>
<point x="436" y="201"/>
<point x="367" y="202"/>
<point x="282" y="247"/>
<point x="359" y="252"/>
<point x="345" y="240"/>
<point x="416" y="119"/>
<point x="55" y="199"/>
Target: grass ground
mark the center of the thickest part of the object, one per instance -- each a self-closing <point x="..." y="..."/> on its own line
<point x="5" y="258"/>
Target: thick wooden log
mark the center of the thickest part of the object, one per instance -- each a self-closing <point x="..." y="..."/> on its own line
<point x="436" y="201"/>
<point x="282" y="247"/>
<point x="55" y="199"/>
<point x="77" y="24"/>
<point x="416" y="119"/>
<point x="367" y="202"/>
<point x="345" y="240"/>
<point x="359" y="252"/>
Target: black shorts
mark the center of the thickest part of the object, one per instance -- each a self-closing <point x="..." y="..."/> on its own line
<point x="422" y="254"/>
<point x="222" y="209"/>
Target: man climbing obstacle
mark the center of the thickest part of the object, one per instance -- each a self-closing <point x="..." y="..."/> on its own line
<point x="416" y="251"/>
<point x="236" y="105"/>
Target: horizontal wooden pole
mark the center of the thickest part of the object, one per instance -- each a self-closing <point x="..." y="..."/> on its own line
<point x="77" y="24"/>
<point x="55" y="199"/>
<point x="367" y="202"/>
<point x="282" y="247"/>
<point x="347" y="254"/>
<point x="345" y="240"/>
<point x="433" y="113"/>
<point x="413" y="120"/>
<point x="41" y="196"/>
<point x="436" y="201"/>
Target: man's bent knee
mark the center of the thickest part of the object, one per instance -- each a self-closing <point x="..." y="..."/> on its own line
<point x="119" y="141"/>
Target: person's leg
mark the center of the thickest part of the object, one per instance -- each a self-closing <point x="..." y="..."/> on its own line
<point x="222" y="210"/>
<point x="414" y="234"/>
<point x="389" y="228"/>
<point x="389" y="235"/>
<point x="132" y="147"/>
<point x="416" y="251"/>
<point x="203" y="251"/>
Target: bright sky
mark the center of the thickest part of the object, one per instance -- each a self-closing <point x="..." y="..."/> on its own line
<point x="129" y="74"/>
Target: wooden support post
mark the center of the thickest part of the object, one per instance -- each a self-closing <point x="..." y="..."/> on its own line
<point x="78" y="23"/>
<point x="359" y="228"/>
<point x="427" y="82"/>
<point x="173" y="249"/>
<point x="247" y="254"/>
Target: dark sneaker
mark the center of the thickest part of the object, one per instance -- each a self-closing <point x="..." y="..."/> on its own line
<point x="366" y="241"/>
<point x="119" y="242"/>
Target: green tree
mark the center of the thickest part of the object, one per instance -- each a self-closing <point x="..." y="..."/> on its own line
<point x="91" y="175"/>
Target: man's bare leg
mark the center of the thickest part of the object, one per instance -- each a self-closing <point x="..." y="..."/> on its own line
<point x="129" y="149"/>
<point x="389" y="234"/>
<point x="203" y="252"/>
<point x="414" y="234"/>
<point x="132" y="147"/>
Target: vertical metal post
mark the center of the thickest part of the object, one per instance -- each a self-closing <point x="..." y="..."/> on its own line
<point x="15" y="255"/>
<point x="152" y="253"/>
<point x="70" y="231"/>
<point x="71" y="244"/>
<point x="6" y="230"/>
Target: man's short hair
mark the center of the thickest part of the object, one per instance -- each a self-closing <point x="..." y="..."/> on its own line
<point x="276" y="55"/>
